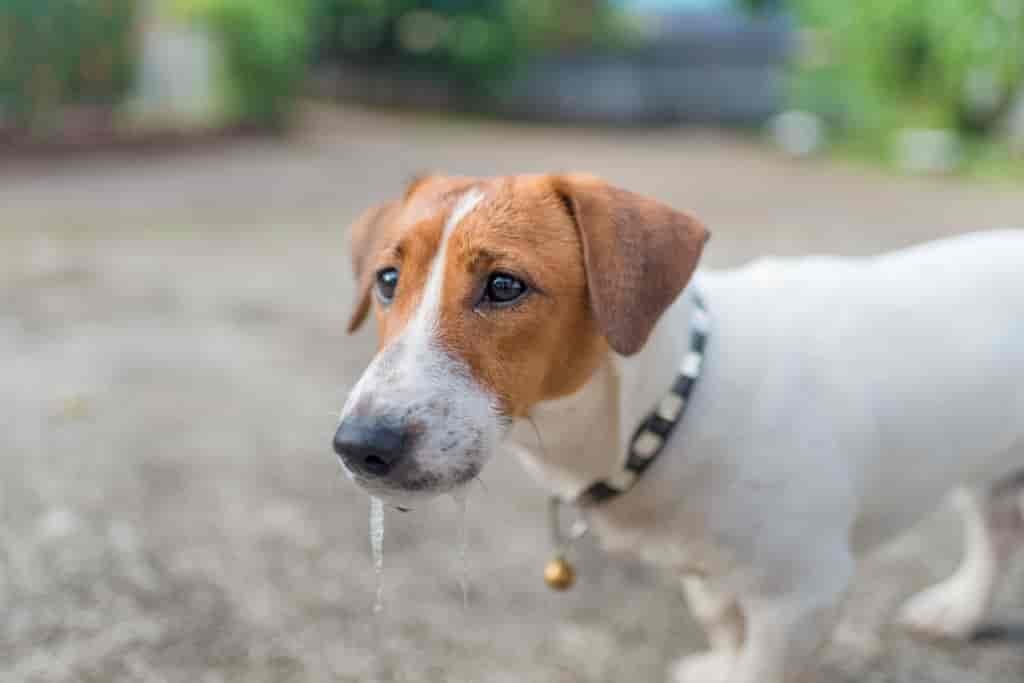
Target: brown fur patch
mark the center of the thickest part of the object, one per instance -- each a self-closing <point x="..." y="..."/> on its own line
<point x="591" y="270"/>
<point x="545" y="346"/>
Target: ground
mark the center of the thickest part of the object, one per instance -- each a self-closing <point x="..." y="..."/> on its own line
<point x="172" y="332"/>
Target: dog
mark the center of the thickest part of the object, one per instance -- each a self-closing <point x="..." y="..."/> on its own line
<point x="839" y="400"/>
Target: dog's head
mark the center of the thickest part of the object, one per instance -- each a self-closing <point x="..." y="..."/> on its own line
<point x="490" y="296"/>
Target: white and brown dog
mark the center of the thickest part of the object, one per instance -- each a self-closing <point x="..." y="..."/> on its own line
<point x="839" y="400"/>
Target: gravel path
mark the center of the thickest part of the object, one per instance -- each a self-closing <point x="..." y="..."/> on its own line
<point x="171" y="336"/>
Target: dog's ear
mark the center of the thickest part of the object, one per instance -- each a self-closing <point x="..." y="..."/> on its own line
<point x="638" y="253"/>
<point x="363" y="238"/>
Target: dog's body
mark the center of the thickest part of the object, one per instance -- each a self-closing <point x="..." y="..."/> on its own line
<point x="839" y="399"/>
<point x="839" y="402"/>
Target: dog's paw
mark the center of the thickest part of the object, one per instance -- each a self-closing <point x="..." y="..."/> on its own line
<point x="949" y="610"/>
<point x="707" y="667"/>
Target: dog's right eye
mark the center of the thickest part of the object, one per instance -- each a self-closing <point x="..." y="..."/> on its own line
<point x="387" y="281"/>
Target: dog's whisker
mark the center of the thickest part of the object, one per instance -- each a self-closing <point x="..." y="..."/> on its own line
<point x="536" y="431"/>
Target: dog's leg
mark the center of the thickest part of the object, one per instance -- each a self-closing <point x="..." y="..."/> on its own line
<point x="993" y="528"/>
<point x="720" y="615"/>
<point x="787" y="625"/>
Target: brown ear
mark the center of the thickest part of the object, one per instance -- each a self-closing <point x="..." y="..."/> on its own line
<point x="639" y="255"/>
<point x="363" y="237"/>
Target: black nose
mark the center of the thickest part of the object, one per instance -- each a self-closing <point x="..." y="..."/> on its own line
<point x="368" y="446"/>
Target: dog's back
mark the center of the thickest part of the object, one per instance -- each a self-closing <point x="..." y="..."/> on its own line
<point x="916" y="357"/>
<point x="939" y="349"/>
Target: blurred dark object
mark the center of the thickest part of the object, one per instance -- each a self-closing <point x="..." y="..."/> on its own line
<point x="471" y="42"/>
<point x="716" y="66"/>
<point x="64" y="66"/>
<point x="626" y="63"/>
<point x="996" y="634"/>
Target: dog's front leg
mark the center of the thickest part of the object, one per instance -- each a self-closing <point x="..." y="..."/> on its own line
<point x="994" y="527"/>
<point x="717" y="611"/>
<point x="720" y="616"/>
<point x="788" y="622"/>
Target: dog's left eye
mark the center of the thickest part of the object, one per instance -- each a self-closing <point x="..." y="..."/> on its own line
<point x="503" y="288"/>
<point x="387" y="281"/>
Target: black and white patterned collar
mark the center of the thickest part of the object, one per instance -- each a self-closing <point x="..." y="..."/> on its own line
<point x="650" y="437"/>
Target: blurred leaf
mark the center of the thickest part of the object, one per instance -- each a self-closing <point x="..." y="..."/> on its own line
<point x="483" y="40"/>
<point x="912" y="63"/>
<point x="55" y="53"/>
<point x="266" y="47"/>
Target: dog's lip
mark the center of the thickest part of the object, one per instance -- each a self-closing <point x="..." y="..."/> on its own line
<point x="401" y="495"/>
<point x="362" y="483"/>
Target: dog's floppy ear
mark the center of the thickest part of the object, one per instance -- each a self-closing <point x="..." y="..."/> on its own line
<point x="638" y="253"/>
<point x="363" y="237"/>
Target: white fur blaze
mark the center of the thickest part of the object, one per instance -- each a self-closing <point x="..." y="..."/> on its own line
<point x="415" y="382"/>
<point x="424" y="321"/>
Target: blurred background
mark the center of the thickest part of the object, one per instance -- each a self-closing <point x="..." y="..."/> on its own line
<point x="176" y="178"/>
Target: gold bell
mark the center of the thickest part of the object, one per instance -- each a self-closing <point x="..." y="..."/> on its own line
<point x="559" y="575"/>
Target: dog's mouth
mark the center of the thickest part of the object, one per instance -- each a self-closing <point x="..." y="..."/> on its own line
<point x="410" y="484"/>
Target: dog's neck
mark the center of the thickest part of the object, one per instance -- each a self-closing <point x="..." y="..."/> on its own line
<point x="570" y="442"/>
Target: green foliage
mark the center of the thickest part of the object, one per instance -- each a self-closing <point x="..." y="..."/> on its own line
<point x="475" y="41"/>
<point x="55" y="53"/>
<point x="266" y="47"/>
<point x="887" y="64"/>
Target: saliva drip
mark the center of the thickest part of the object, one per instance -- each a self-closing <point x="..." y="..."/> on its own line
<point x="461" y="499"/>
<point x="377" y="547"/>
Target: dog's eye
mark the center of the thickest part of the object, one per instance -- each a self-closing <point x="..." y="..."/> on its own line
<point x="387" y="281"/>
<point x="503" y="288"/>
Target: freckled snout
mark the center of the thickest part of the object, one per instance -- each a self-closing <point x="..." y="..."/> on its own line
<point x="369" y="446"/>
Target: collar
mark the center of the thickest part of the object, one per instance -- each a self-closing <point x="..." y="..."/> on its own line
<point x="650" y="437"/>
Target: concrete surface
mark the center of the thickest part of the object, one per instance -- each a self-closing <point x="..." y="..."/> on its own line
<point x="173" y="358"/>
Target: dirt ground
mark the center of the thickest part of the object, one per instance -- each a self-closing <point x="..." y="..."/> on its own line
<point x="173" y="359"/>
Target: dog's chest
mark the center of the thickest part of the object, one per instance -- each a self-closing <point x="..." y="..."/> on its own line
<point x="676" y="538"/>
<point x="657" y="548"/>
